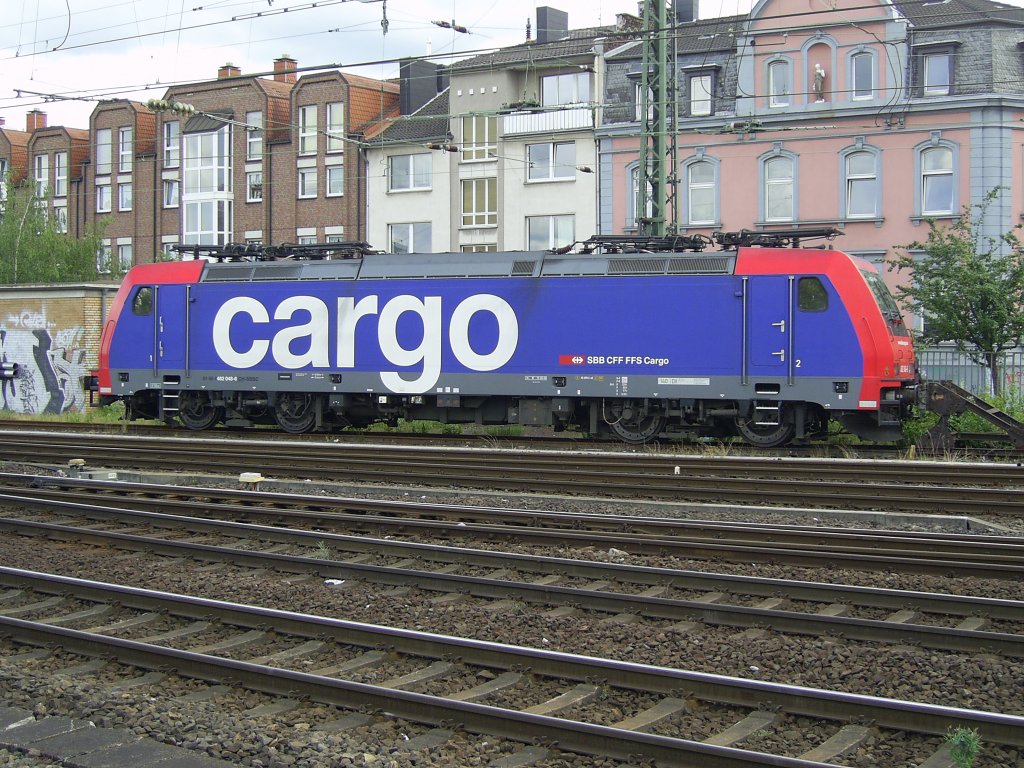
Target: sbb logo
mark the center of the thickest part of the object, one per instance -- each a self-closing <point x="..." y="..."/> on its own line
<point x="571" y="359"/>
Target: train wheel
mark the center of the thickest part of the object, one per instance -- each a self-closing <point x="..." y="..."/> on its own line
<point x="195" y="411"/>
<point x="768" y="435"/>
<point x="638" y="430"/>
<point x="295" y="412"/>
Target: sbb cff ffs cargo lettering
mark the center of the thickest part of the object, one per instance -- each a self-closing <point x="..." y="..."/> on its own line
<point x="640" y="338"/>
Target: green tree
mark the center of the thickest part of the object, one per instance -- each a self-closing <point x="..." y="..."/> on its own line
<point x="969" y="285"/>
<point x="32" y="250"/>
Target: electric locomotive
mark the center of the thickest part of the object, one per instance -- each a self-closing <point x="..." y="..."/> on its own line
<point x="640" y="338"/>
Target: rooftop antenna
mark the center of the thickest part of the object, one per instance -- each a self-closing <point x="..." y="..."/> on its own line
<point x="528" y="34"/>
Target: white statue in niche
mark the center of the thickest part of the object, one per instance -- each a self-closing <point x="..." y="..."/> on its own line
<point x="819" y="83"/>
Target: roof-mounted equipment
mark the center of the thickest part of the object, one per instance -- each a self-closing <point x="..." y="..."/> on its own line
<point x="776" y="238"/>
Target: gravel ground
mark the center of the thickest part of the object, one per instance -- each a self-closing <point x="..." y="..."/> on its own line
<point x="972" y="681"/>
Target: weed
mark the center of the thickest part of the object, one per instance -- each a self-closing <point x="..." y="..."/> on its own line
<point x="322" y="551"/>
<point x="964" y="746"/>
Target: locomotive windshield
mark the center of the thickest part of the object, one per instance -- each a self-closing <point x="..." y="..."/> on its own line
<point x="886" y="303"/>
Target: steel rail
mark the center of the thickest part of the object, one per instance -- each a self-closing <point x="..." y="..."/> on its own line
<point x="201" y="455"/>
<point x="913" y="716"/>
<point x="938" y="637"/>
<point x="626" y="528"/>
<point x="807" y="547"/>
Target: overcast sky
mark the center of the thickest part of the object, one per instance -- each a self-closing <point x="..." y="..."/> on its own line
<point x="93" y="49"/>
<point x="121" y="48"/>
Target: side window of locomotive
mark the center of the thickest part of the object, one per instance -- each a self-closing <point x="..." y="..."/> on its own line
<point x="142" y="304"/>
<point x="811" y="295"/>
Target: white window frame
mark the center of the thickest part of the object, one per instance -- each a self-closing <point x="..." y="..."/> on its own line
<point x="254" y="187"/>
<point x="937" y="73"/>
<point x="474" y="192"/>
<point x="479" y="138"/>
<point x="104" y="258"/>
<point x="551" y="224"/>
<point x="701" y="187"/>
<point x="929" y="177"/>
<point x="566" y="88"/>
<point x="254" y="135"/>
<point x="336" y="126"/>
<point x="306" y="240"/>
<point x="171" y="193"/>
<point x="857" y="179"/>
<point x="104" y="202"/>
<point x="779" y="92"/>
<point x="124" y="196"/>
<point x="207" y="189"/>
<point x="125" y="257"/>
<point x="41" y="174"/>
<point x="60" y="219"/>
<point x="552" y="166"/>
<point x="172" y="144"/>
<point x="103" y="149"/>
<point x="859" y="90"/>
<point x="307" y="129"/>
<point x="774" y="187"/>
<point x="125" y="149"/>
<point x="60" y="174"/>
<point x="413" y="169"/>
<point x="335" y="181"/>
<point x="413" y="233"/>
<point x="701" y="100"/>
<point x="308" y="181"/>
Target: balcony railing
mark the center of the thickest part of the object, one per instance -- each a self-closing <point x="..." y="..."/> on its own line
<point x="569" y="119"/>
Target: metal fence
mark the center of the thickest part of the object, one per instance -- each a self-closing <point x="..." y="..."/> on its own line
<point x="948" y="364"/>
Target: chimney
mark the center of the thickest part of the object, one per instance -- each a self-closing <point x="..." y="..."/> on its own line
<point x="284" y="69"/>
<point x="35" y="119"/>
<point x="419" y="81"/>
<point x="686" y="10"/>
<point x="228" y="70"/>
<point x="552" y="24"/>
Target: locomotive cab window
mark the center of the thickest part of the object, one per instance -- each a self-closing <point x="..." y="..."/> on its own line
<point x="142" y="304"/>
<point x="811" y="295"/>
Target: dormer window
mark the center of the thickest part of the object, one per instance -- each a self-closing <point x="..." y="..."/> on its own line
<point x="934" y="68"/>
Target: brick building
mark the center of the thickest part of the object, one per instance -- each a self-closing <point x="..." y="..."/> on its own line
<point x="56" y="155"/>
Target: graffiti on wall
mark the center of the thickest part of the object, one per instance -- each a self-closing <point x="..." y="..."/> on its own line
<point x="51" y="364"/>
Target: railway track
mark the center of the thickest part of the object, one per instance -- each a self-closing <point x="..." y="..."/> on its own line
<point x="435" y="679"/>
<point x="689" y="599"/>
<point x="954" y="488"/>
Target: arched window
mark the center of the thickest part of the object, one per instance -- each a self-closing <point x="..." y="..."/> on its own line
<point x="862" y="191"/>
<point x="701" y="193"/>
<point x="779" y="189"/>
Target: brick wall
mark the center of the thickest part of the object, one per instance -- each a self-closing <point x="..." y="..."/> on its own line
<point x="53" y="334"/>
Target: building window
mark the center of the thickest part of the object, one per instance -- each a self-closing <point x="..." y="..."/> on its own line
<point x="103" y="198"/>
<point x="124" y="257"/>
<point x="41" y="174"/>
<point x="307" y="182"/>
<point x="862" y="68"/>
<point x="638" y="109"/>
<point x="125" y="150"/>
<point x="633" y="199"/>
<point x="935" y="72"/>
<point x="701" y="192"/>
<point x="254" y="136"/>
<point x="306" y="239"/>
<point x="60" y="219"/>
<point x="335" y="180"/>
<point x="104" y="257"/>
<point x="254" y="187"/>
<point x="480" y="202"/>
<point x="407" y="172"/>
<point x="479" y="137"/>
<point x="700" y="94"/>
<point x="60" y="174"/>
<point x="572" y="88"/>
<point x="168" y="253"/>
<point x="171" y="189"/>
<point x="551" y="161"/>
<point x="544" y="232"/>
<point x="336" y="127"/>
<point x="861" y="185"/>
<point x="207" y="189"/>
<point x="307" y="130"/>
<point x="171" y="145"/>
<point x="937" y="181"/>
<point x="103" y="152"/>
<point x="778" y="84"/>
<point x="335" y="238"/>
<point x="480" y="248"/>
<point x="410" y="238"/>
<point x="124" y="196"/>
<point x="778" y="189"/>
